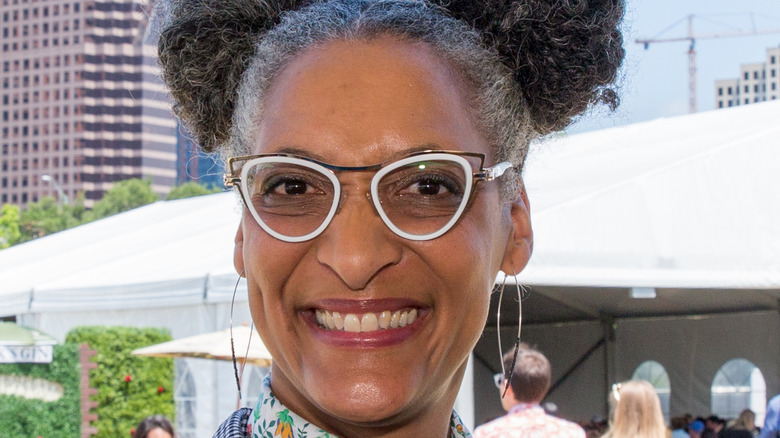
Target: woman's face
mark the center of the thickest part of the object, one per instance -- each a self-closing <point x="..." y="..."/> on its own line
<point x="355" y="104"/>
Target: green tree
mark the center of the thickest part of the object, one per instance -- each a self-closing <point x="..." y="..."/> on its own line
<point x="9" y="226"/>
<point x="190" y="189"/>
<point x="125" y="195"/>
<point x="45" y="217"/>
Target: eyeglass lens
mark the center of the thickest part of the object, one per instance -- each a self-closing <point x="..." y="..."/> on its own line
<point x="295" y="197"/>
<point x="498" y="379"/>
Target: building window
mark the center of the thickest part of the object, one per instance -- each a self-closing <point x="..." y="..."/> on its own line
<point x="720" y="91"/>
<point x="747" y="89"/>
<point x="731" y="91"/>
<point x="720" y="104"/>
<point x="656" y="374"/>
<point x="772" y="59"/>
<point x="747" y="75"/>
<point x="739" y="385"/>
<point x="755" y="74"/>
<point x="185" y="397"/>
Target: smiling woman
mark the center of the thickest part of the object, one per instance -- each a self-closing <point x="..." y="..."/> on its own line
<point x="378" y="148"/>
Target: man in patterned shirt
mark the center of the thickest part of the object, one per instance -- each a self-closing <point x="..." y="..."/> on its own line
<point x="525" y="418"/>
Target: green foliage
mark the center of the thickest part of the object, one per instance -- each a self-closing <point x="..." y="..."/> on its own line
<point x="124" y="195"/>
<point x="190" y="189"/>
<point x="21" y="417"/>
<point x="48" y="216"/>
<point x="123" y="404"/>
<point x="9" y="226"/>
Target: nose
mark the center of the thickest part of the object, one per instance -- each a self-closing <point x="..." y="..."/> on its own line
<point x="357" y="245"/>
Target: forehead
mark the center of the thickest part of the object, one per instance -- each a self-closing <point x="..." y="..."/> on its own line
<point x="361" y="102"/>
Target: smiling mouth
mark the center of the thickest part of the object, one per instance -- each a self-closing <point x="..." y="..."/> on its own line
<point x="366" y="322"/>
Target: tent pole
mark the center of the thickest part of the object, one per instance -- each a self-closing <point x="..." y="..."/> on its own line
<point x="609" y="326"/>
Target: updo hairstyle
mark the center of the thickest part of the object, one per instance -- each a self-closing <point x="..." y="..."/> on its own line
<point x="531" y="65"/>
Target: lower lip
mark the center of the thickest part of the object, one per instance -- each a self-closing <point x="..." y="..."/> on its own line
<point x="361" y="340"/>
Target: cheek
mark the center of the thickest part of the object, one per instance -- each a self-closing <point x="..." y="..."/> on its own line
<point x="269" y="264"/>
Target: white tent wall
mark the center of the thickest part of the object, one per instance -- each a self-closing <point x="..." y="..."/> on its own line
<point x="692" y="349"/>
<point x="579" y="397"/>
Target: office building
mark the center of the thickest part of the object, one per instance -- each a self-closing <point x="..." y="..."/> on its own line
<point x="757" y="82"/>
<point x="82" y="102"/>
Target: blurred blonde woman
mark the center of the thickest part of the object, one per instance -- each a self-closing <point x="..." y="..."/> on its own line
<point x="636" y="412"/>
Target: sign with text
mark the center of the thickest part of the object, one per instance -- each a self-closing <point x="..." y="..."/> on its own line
<point x="26" y="353"/>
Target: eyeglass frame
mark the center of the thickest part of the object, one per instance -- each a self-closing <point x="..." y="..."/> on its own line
<point x="236" y="178"/>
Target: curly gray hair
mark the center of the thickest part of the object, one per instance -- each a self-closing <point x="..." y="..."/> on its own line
<point x="531" y="65"/>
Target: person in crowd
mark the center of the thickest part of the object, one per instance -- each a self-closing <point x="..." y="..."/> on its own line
<point x="715" y="423"/>
<point x="696" y="428"/>
<point x="771" y="427"/>
<point x="635" y="411"/>
<point x="678" y="425"/>
<point x="155" y="426"/>
<point x="521" y="397"/>
<point x="378" y="148"/>
<point x="743" y="427"/>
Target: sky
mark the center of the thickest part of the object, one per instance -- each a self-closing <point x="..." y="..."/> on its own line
<point x="654" y="82"/>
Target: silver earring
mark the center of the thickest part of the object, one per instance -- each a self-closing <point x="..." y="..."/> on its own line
<point x="236" y="372"/>
<point x="508" y="377"/>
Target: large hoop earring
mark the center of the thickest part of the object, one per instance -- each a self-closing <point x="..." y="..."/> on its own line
<point x="236" y="371"/>
<point x="508" y="376"/>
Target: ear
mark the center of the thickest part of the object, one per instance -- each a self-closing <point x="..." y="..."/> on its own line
<point x="521" y="239"/>
<point x="238" y="250"/>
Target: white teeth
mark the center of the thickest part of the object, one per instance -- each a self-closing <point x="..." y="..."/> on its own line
<point x="384" y="319"/>
<point x="394" y="319"/>
<point x="351" y="323"/>
<point x="338" y="321"/>
<point x="368" y="322"/>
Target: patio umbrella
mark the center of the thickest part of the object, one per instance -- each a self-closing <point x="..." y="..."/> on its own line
<point x="19" y="344"/>
<point x="214" y="345"/>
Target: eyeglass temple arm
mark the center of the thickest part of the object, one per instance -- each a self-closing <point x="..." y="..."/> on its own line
<point x="230" y="179"/>
<point x="493" y="172"/>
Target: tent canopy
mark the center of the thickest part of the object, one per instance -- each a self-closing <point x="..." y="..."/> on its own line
<point x="686" y="205"/>
<point x="167" y="253"/>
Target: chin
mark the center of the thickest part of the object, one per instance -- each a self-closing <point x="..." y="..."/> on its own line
<point x="365" y="402"/>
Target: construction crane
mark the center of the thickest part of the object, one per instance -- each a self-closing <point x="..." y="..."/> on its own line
<point x="691" y="38"/>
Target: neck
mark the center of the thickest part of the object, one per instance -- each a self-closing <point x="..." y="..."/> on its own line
<point x="419" y="418"/>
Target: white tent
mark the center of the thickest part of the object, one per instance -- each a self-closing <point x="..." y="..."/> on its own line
<point x="685" y="209"/>
<point x="167" y="253"/>
<point x="687" y="206"/>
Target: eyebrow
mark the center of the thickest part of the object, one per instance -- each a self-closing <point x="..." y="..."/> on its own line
<point x="394" y="156"/>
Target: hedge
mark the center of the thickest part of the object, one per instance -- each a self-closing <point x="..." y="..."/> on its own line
<point x="129" y="387"/>
<point x="22" y="417"/>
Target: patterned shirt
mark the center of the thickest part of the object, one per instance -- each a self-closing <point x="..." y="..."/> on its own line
<point x="270" y="419"/>
<point x="526" y="420"/>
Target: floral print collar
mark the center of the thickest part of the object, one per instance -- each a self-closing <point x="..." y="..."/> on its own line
<point x="271" y="419"/>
